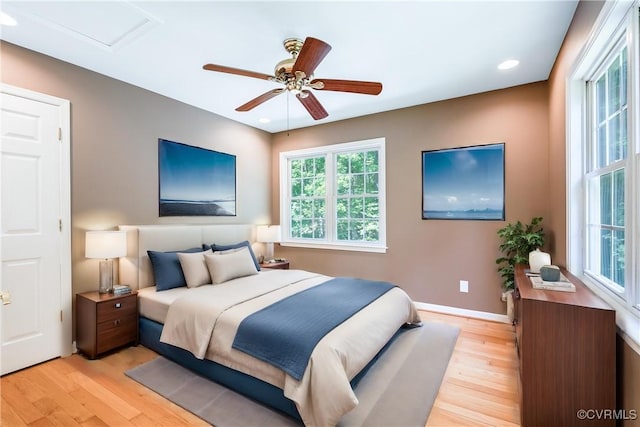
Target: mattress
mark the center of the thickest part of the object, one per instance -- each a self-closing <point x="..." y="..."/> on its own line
<point x="155" y="305"/>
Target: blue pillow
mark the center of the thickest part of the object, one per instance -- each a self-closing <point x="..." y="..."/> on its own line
<point x="167" y="270"/>
<point x="246" y="243"/>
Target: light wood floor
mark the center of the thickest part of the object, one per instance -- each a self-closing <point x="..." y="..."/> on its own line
<point x="480" y="387"/>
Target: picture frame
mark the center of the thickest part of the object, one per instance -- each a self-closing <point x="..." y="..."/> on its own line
<point x="195" y="181"/>
<point x="464" y="183"/>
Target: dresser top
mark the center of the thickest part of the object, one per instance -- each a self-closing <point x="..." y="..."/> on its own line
<point x="583" y="296"/>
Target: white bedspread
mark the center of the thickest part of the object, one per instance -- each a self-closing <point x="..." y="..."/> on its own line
<point x="205" y="321"/>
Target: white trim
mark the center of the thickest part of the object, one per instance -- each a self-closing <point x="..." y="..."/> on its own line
<point x="483" y="315"/>
<point x="337" y="247"/>
<point x="64" y="115"/>
<point x="329" y="151"/>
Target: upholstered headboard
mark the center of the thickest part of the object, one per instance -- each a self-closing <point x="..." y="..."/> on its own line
<point x="135" y="269"/>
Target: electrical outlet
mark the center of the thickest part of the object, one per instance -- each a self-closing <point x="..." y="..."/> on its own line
<point x="464" y="286"/>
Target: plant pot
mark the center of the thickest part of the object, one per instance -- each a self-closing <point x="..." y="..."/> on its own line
<point x="508" y="297"/>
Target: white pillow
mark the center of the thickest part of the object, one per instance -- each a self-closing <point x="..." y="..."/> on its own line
<point x="227" y="265"/>
<point x="195" y="268"/>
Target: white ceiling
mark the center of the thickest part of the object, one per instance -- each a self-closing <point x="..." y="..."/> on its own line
<point x="421" y="51"/>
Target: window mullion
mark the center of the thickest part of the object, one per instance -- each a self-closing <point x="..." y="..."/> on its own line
<point x="330" y="211"/>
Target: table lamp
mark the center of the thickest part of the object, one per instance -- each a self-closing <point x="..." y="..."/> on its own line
<point x="105" y="245"/>
<point x="268" y="234"/>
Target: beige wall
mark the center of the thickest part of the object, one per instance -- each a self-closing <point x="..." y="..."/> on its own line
<point x="429" y="258"/>
<point x="114" y="136"/>
<point x="628" y="366"/>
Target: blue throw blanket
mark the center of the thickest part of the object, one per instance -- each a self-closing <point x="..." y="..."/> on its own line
<point x="285" y="333"/>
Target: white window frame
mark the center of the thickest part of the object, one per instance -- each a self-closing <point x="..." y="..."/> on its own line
<point x="330" y="151"/>
<point x="593" y="171"/>
<point x="617" y="19"/>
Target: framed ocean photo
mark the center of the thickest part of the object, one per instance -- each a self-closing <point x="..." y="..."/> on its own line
<point x="464" y="183"/>
<point x="195" y="181"/>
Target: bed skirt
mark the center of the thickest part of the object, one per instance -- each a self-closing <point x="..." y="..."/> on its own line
<point x="247" y="385"/>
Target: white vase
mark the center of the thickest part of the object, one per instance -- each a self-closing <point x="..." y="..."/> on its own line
<point x="537" y="259"/>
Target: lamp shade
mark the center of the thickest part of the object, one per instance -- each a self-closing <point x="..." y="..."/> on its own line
<point x="268" y="233"/>
<point x="105" y="244"/>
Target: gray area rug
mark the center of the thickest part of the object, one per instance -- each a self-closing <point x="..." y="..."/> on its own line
<point x="399" y="389"/>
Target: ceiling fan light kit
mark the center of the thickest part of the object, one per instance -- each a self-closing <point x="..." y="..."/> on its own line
<point x="296" y="74"/>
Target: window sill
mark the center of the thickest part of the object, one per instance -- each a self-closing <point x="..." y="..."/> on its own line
<point x="336" y="247"/>
<point x="627" y="319"/>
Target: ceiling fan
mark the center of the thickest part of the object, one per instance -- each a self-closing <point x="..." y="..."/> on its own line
<point x="296" y="74"/>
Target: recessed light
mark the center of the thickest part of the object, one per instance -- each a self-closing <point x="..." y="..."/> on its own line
<point x="7" y="20"/>
<point x="508" y="64"/>
<point x="264" y="120"/>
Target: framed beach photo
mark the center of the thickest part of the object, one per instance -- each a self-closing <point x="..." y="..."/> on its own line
<point x="195" y="181"/>
<point x="464" y="183"/>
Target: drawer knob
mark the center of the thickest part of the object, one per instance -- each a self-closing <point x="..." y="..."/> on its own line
<point x="116" y="322"/>
<point x="118" y="305"/>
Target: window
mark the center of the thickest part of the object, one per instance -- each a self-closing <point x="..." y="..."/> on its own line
<point x="606" y="171"/>
<point x="334" y="196"/>
<point x="603" y="182"/>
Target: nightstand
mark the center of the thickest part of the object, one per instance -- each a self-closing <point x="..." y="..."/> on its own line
<point x="280" y="265"/>
<point x="105" y="322"/>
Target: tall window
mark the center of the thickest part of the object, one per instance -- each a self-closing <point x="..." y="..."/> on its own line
<point x="606" y="171"/>
<point x="334" y="196"/>
<point x="603" y="235"/>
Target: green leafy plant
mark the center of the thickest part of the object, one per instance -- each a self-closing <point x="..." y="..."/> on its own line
<point x="517" y="240"/>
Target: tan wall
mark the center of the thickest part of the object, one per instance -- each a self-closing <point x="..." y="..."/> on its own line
<point x="628" y="384"/>
<point x="429" y="258"/>
<point x="114" y="137"/>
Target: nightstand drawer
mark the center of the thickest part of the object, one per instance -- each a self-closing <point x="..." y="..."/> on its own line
<point x="116" y="308"/>
<point x="116" y="332"/>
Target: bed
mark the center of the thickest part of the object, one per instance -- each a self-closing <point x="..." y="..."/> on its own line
<point x="173" y="323"/>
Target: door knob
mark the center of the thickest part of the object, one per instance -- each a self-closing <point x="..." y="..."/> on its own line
<point x="5" y="297"/>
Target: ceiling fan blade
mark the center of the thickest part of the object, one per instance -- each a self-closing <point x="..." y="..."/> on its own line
<point x="312" y="53"/>
<point x="355" y="86"/>
<point x="313" y="106"/>
<point x="259" y="100"/>
<point x="237" y="71"/>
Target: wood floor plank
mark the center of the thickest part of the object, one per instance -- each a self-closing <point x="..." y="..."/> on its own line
<point x="25" y="409"/>
<point x="480" y="387"/>
<point x="9" y="417"/>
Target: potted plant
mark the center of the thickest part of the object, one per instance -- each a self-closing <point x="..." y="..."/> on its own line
<point x="517" y="240"/>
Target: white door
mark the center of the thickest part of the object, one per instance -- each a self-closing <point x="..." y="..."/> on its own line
<point x="34" y="250"/>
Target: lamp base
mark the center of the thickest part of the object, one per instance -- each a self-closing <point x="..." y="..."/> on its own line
<point x="106" y="276"/>
<point x="269" y="255"/>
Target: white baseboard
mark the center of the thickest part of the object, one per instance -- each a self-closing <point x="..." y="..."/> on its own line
<point x="494" y="317"/>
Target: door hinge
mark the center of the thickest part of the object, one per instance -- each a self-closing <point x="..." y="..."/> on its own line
<point x="60" y="134"/>
<point x="60" y="224"/>
<point x="61" y="315"/>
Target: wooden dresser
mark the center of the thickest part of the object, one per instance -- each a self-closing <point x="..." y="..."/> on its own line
<point x="566" y="344"/>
